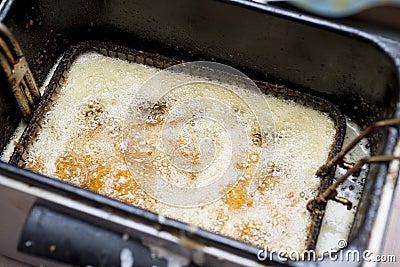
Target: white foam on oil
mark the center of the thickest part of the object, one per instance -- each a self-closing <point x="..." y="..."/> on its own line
<point x="80" y="142"/>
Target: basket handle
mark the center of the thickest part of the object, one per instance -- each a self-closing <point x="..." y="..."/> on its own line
<point x="314" y="205"/>
<point x="17" y="75"/>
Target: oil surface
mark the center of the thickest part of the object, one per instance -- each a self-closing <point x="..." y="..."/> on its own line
<point x="80" y="142"/>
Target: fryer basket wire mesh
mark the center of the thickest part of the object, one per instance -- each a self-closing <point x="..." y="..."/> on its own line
<point x="60" y="75"/>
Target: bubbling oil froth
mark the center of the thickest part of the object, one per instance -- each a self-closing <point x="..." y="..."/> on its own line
<point x="84" y="149"/>
<point x="221" y="120"/>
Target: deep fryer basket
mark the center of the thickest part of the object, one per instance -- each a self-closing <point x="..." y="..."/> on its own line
<point x="162" y="62"/>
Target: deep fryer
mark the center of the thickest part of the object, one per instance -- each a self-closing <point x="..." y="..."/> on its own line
<point x="356" y="71"/>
